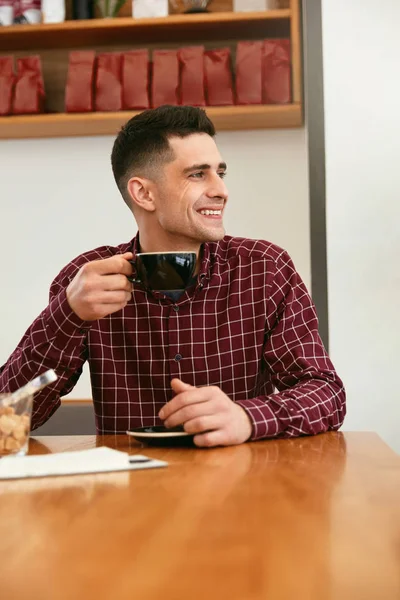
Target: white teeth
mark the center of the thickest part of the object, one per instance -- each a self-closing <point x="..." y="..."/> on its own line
<point x="210" y="212"/>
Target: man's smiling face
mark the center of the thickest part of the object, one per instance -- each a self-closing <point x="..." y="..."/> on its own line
<point x="190" y="195"/>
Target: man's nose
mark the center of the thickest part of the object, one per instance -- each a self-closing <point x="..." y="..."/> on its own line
<point x="217" y="188"/>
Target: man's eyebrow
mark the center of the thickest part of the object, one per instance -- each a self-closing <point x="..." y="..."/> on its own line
<point x="204" y="167"/>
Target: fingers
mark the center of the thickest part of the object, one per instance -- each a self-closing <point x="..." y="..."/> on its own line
<point x="126" y="267"/>
<point x="116" y="283"/>
<point x="210" y="439"/>
<point x="114" y="265"/>
<point x="208" y="414"/>
<point x="188" y="412"/>
<point x="179" y="386"/>
<point x="184" y="399"/>
<point x="203" y="423"/>
<point x="116" y="297"/>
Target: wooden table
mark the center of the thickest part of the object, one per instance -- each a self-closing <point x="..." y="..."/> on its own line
<point x="312" y="518"/>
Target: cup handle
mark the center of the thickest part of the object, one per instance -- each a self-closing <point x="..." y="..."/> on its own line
<point x="133" y="279"/>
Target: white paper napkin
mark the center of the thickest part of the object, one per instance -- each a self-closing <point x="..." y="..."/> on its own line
<point x="96" y="460"/>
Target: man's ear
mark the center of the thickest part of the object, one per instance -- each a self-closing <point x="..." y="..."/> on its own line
<point x="141" y="194"/>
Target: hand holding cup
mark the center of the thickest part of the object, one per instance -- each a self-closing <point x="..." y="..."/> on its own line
<point x="101" y="287"/>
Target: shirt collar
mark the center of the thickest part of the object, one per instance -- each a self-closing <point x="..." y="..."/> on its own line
<point x="135" y="246"/>
<point x="205" y="264"/>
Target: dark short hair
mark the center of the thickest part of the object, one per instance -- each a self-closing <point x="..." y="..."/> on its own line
<point x="143" y="142"/>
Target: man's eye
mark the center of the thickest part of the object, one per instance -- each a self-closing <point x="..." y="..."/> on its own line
<point x="198" y="175"/>
<point x="222" y="174"/>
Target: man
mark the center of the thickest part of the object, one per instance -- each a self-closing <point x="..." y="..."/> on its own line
<point x="236" y="357"/>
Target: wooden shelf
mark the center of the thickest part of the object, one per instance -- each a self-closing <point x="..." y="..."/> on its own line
<point x="54" y="41"/>
<point x="89" y="124"/>
<point x="95" y="32"/>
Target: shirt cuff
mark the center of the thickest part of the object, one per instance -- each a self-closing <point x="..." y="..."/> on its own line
<point x="62" y="323"/>
<point x="265" y="423"/>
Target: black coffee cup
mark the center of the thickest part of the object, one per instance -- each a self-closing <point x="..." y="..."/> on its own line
<point x="164" y="271"/>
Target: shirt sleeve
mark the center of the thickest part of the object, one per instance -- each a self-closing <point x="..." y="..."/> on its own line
<point x="55" y="340"/>
<point x="310" y="396"/>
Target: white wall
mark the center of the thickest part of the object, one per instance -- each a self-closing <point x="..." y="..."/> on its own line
<point x="362" y="90"/>
<point x="58" y="199"/>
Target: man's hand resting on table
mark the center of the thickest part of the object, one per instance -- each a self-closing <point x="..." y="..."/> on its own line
<point x="208" y="413"/>
<point x="101" y="287"/>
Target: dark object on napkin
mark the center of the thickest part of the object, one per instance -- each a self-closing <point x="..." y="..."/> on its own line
<point x="7" y="81"/>
<point x="218" y="77"/>
<point x="165" y="84"/>
<point x="29" y="87"/>
<point x="191" y="65"/>
<point x="249" y="72"/>
<point x="135" y="80"/>
<point x="108" y="95"/>
<point x="80" y="81"/>
<point x="276" y="72"/>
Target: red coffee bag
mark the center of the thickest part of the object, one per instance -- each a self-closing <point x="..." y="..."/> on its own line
<point x="249" y="72"/>
<point x="7" y="81"/>
<point x="108" y="82"/>
<point x="191" y="65"/>
<point x="80" y="82"/>
<point x="276" y="72"/>
<point x="135" y="80"/>
<point x="218" y="76"/>
<point x="29" y="87"/>
<point x="165" y="84"/>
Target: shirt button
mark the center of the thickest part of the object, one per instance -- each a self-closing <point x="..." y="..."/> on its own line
<point x="83" y="331"/>
<point x="176" y="308"/>
<point x="178" y="357"/>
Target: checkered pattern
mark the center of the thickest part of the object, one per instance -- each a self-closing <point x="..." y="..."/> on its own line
<point x="247" y="325"/>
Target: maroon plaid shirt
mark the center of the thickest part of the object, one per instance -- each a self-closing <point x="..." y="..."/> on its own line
<point x="247" y="325"/>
